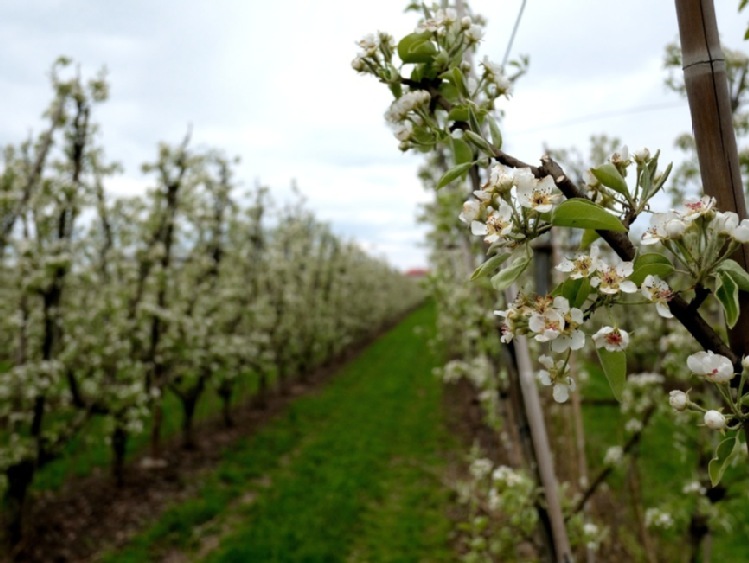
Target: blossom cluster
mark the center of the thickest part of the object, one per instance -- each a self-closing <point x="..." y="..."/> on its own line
<point x="698" y="235"/>
<point x="508" y="209"/>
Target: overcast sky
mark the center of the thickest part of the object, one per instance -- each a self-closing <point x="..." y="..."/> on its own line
<point x="272" y="83"/>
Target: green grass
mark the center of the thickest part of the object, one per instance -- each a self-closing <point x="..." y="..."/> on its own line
<point x="348" y="474"/>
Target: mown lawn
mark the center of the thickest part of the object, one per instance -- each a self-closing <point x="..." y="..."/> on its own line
<point x="348" y="474"/>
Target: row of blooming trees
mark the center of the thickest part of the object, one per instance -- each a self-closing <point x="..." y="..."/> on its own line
<point x="645" y="303"/>
<point x="110" y="304"/>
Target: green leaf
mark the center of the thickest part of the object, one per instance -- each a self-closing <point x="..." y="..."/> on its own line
<point x="449" y="92"/>
<point x="583" y="214"/>
<point x="416" y="48"/>
<point x="480" y="142"/>
<point x="651" y="264"/>
<point x="576" y="291"/>
<point x="614" y="365"/>
<point x="490" y="266"/>
<point x="610" y="177"/>
<point x="737" y="273"/>
<point x="495" y="132"/>
<point x="462" y="151"/>
<point x="589" y="237"/>
<point x="456" y="79"/>
<point x="723" y="454"/>
<point x="473" y="119"/>
<point x="508" y="275"/>
<point x="727" y="292"/>
<point x="458" y="113"/>
<point x="453" y="174"/>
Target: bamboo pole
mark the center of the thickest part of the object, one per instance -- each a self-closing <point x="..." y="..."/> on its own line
<point x="541" y="446"/>
<point x="709" y="100"/>
<point x="712" y="123"/>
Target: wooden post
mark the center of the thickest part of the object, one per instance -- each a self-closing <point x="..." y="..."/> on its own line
<point x="712" y="123"/>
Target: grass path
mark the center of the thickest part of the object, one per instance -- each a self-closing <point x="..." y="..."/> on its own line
<point x="344" y="475"/>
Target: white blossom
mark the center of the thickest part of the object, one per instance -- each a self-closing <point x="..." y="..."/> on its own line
<point x="613" y="455"/>
<point x="556" y="374"/>
<point x="657" y="291"/>
<point x="611" y="338"/>
<point x="712" y="366"/>
<point x="538" y="195"/>
<point x="611" y="278"/>
<point x="678" y="400"/>
<point x="715" y="420"/>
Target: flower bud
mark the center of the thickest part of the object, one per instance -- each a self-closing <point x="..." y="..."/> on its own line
<point x="641" y="155"/>
<point x="715" y="420"/>
<point x="678" y="400"/>
<point x="745" y="362"/>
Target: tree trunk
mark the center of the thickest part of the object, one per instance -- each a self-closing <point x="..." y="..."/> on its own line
<point x="156" y="421"/>
<point x="119" y="444"/>
<point x="225" y="393"/>
<point x="261" y="396"/>
<point x="19" y="476"/>
<point x="189" y="403"/>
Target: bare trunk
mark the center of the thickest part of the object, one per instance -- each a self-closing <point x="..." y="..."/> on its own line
<point x="119" y="444"/>
<point x="19" y="476"/>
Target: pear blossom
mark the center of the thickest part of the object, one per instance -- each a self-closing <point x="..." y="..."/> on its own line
<point x="369" y="44"/>
<point x="548" y="322"/>
<point x="656" y="518"/>
<point x="613" y="339"/>
<point x="696" y="208"/>
<point x="611" y="278"/>
<point x="571" y="338"/>
<point x="657" y="291"/>
<point x="728" y="223"/>
<point x="741" y="233"/>
<point x="613" y="455"/>
<point x="538" y="195"/>
<point x="664" y="226"/>
<point x="678" y="400"/>
<point x="715" y="420"/>
<point x="714" y="367"/>
<point x="498" y="224"/>
<point x="358" y="64"/>
<point x="500" y="179"/>
<point x="480" y="468"/>
<point x="621" y="157"/>
<point x="547" y="325"/>
<point x="633" y="425"/>
<point x="582" y="266"/>
<point x="556" y="374"/>
<point x="471" y="211"/>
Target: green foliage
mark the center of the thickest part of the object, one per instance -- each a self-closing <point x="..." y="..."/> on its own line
<point x="649" y="264"/>
<point x="454" y="173"/>
<point x="614" y="366"/>
<point x="610" y="177"/>
<point x="727" y="292"/>
<point x="583" y="214"/>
